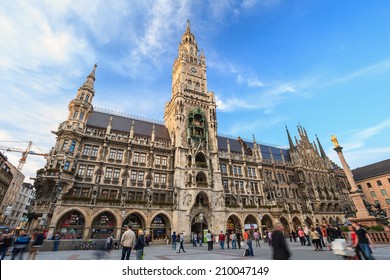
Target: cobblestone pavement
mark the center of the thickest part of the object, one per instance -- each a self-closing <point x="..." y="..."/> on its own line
<point x="165" y="252"/>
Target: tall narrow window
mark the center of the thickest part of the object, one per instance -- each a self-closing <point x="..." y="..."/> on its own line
<point x="156" y="179"/>
<point x="81" y="170"/>
<point x="142" y="158"/>
<point x="133" y="176"/>
<point x="95" y="150"/>
<point x="163" y="179"/>
<point x="90" y="171"/>
<point x="136" y="157"/>
<point x="119" y="155"/>
<point x="66" y="165"/>
<point x="112" y="153"/>
<point x="164" y="161"/>
<point x="65" y="145"/>
<point x="87" y="149"/>
<point x="87" y="98"/>
<point x="81" y="116"/>
<point x="140" y="176"/>
<point x="72" y="146"/>
<point x="116" y="173"/>
<point x="108" y="173"/>
<point x="75" y="114"/>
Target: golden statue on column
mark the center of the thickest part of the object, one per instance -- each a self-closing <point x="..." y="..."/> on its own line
<point x="335" y="141"/>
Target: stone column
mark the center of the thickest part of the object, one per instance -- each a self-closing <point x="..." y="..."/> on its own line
<point x="355" y="194"/>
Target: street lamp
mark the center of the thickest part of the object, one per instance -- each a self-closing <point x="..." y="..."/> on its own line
<point x="201" y="219"/>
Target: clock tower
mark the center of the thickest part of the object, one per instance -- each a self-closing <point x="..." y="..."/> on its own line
<point x="190" y="117"/>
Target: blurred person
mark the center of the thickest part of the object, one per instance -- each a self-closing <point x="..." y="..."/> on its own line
<point x="21" y="244"/>
<point x="56" y="242"/>
<point x="315" y="237"/>
<point x="301" y="236"/>
<point x="279" y="245"/>
<point x="363" y="240"/>
<point x="38" y="239"/>
<point x="239" y="238"/>
<point x="233" y="237"/>
<point x="109" y="242"/>
<point x="6" y="240"/>
<point x="227" y="239"/>
<point x="200" y="239"/>
<point x="256" y="235"/>
<point x="307" y="235"/>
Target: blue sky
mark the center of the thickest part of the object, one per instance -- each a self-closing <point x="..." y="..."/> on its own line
<point x="271" y="63"/>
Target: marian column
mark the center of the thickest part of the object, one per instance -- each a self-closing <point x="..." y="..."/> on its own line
<point x="355" y="194"/>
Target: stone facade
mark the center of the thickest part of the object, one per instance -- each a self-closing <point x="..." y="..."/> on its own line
<point x="374" y="181"/>
<point x="107" y="170"/>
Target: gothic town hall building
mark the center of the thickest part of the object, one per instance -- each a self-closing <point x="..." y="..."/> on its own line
<point x="108" y="170"/>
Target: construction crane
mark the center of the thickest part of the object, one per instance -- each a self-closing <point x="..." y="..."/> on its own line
<point x="25" y="153"/>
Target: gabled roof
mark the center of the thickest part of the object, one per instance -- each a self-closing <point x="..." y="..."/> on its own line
<point x="372" y="170"/>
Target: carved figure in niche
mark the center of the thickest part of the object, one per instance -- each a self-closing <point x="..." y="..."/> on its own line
<point x="299" y="206"/>
<point x="189" y="199"/>
<point x="308" y="205"/>
<point x="286" y="207"/>
<point x="219" y="200"/>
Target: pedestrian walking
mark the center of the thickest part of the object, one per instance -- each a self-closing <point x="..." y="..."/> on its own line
<point x="279" y="245"/>
<point x="38" y="239"/>
<point x="301" y="236"/>
<point x="21" y="244"/>
<point x="109" y="242"/>
<point x="6" y="240"/>
<point x="200" y="239"/>
<point x="139" y="245"/>
<point x="221" y="240"/>
<point x="181" y="242"/>
<point x="315" y="237"/>
<point x="227" y="239"/>
<point x="248" y="238"/>
<point x="209" y="238"/>
<point x="269" y="237"/>
<point x="56" y="242"/>
<point x="127" y="242"/>
<point x="194" y="239"/>
<point x="307" y="235"/>
<point x="363" y="240"/>
<point x="233" y="237"/>
<point x="294" y="235"/>
<point x="256" y="235"/>
<point x="239" y="238"/>
<point x="174" y="239"/>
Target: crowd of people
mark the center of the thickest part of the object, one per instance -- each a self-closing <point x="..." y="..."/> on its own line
<point x="320" y="236"/>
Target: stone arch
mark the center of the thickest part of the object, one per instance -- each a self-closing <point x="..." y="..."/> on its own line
<point x="201" y="179"/>
<point x="234" y="222"/>
<point x="103" y="224"/>
<point x="309" y="223"/>
<point x="200" y="160"/>
<point x="202" y="198"/>
<point x="160" y="226"/>
<point x="296" y="223"/>
<point x="251" y="222"/>
<point x="136" y="219"/>
<point x="266" y="222"/>
<point x="285" y="223"/>
<point x="71" y="224"/>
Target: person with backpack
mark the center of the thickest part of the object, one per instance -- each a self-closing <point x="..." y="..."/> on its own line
<point x="20" y="245"/>
<point x="139" y="245"/>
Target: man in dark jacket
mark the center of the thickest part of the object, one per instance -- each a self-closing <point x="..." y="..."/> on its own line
<point x="279" y="246"/>
<point x="20" y="245"/>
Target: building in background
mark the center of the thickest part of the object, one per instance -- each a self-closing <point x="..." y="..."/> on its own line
<point x="374" y="181"/>
<point x="107" y="170"/>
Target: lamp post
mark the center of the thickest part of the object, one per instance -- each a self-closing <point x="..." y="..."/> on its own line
<point x="201" y="219"/>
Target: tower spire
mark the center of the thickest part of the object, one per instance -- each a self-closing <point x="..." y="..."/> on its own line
<point x="323" y="155"/>
<point x="290" y="142"/>
<point x="90" y="81"/>
<point x="188" y="30"/>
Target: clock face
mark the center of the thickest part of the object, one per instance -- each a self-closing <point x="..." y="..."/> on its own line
<point x="193" y="70"/>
